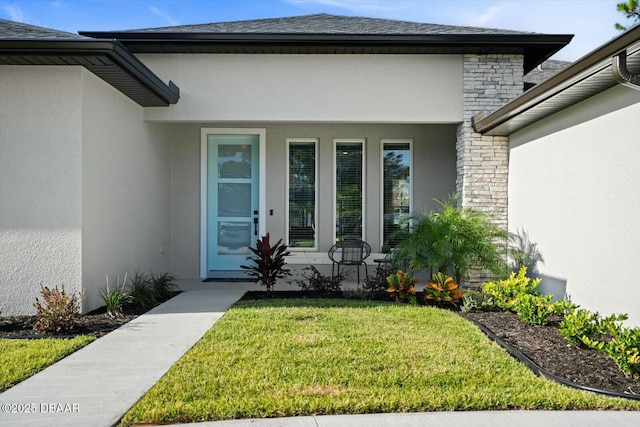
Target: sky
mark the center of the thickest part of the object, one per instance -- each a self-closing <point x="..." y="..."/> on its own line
<point x="592" y="21"/>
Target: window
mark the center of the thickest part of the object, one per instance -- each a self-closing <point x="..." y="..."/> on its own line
<point x="302" y="179"/>
<point x="349" y="186"/>
<point x="396" y="188"/>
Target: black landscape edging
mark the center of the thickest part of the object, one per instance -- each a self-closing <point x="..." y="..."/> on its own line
<point x="539" y="371"/>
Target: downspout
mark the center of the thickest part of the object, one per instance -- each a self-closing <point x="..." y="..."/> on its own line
<point x="622" y="74"/>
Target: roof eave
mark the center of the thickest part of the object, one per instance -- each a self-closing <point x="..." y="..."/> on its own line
<point x="585" y="67"/>
<point x="536" y="47"/>
<point x="129" y="65"/>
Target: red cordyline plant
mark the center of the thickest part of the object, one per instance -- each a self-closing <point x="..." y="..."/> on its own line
<point x="268" y="262"/>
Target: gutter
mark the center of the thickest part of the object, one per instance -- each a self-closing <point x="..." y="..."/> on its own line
<point x="112" y="49"/>
<point x="581" y="70"/>
<point x="168" y="92"/>
<point x="622" y="74"/>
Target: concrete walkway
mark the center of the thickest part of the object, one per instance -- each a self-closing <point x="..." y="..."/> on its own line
<point x="96" y="385"/>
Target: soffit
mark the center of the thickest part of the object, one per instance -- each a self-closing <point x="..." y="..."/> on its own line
<point x="586" y="77"/>
<point x="107" y="59"/>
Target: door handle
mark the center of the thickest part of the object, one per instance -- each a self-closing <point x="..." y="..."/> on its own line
<point x="255" y="223"/>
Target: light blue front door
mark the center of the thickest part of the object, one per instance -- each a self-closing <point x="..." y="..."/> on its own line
<point x="232" y="199"/>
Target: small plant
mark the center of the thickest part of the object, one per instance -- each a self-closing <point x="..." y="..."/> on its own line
<point x="506" y="291"/>
<point x="115" y="299"/>
<point x="375" y="286"/>
<point x="534" y="309"/>
<point x="580" y="324"/>
<point x="319" y="283"/>
<point x="621" y="344"/>
<point x="623" y="348"/>
<point x="442" y="289"/>
<point x="57" y="311"/>
<point x="268" y="261"/>
<point x="141" y="291"/>
<point x="163" y="286"/>
<point x="477" y="300"/>
<point x="402" y="287"/>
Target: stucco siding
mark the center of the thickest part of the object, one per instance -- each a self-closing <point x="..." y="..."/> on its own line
<point x="434" y="169"/>
<point x="40" y="183"/>
<point x="311" y="88"/>
<point x="126" y="189"/>
<point x="573" y="185"/>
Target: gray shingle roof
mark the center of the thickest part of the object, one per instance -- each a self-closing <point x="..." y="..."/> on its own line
<point x="18" y="30"/>
<point x="326" y="24"/>
<point x="544" y="71"/>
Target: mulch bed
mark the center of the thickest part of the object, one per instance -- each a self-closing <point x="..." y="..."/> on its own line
<point x="97" y="323"/>
<point x="542" y="344"/>
<point x="551" y="352"/>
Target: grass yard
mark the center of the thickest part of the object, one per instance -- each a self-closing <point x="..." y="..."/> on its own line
<point x="21" y="358"/>
<point x="275" y="358"/>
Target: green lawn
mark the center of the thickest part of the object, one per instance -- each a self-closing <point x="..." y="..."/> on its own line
<point x="297" y="357"/>
<point x="21" y="358"/>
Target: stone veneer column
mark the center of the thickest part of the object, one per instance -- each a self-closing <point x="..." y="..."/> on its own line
<point x="490" y="81"/>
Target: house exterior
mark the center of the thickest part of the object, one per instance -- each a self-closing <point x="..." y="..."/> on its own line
<point x="312" y="128"/>
<point x="574" y="175"/>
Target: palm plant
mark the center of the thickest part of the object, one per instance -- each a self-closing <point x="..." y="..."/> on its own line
<point x="453" y="241"/>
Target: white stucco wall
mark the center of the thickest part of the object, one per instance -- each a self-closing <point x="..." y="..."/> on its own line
<point x="84" y="186"/>
<point x="311" y="88"/>
<point x="40" y="183"/>
<point x="125" y="196"/>
<point x="434" y="169"/>
<point x="573" y="186"/>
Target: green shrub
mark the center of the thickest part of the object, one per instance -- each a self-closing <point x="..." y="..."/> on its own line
<point x="580" y="324"/>
<point x="624" y="348"/>
<point x="269" y="262"/>
<point x="314" y="280"/>
<point x="115" y="299"/>
<point x="620" y="343"/>
<point x="402" y="287"/>
<point x="374" y="286"/>
<point x="534" y="309"/>
<point x="57" y="311"/>
<point x="477" y="300"/>
<point x="506" y="291"/>
<point x="442" y="289"/>
<point x="163" y="286"/>
<point x="453" y="241"/>
<point x="141" y="290"/>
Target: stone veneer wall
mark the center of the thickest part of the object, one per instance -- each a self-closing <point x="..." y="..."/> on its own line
<point x="490" y="81"/>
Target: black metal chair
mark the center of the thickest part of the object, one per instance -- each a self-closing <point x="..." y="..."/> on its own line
<point x="349" y="252"/>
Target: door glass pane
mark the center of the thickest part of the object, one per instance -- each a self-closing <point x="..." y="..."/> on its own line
<point x="349" y="162"/>
<point x="234" y="238"/>
<point x="302" y="194"/>
<point x="234" y="161"/>
<point x="234" y="200"/>
<point x="396" y="191"/>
